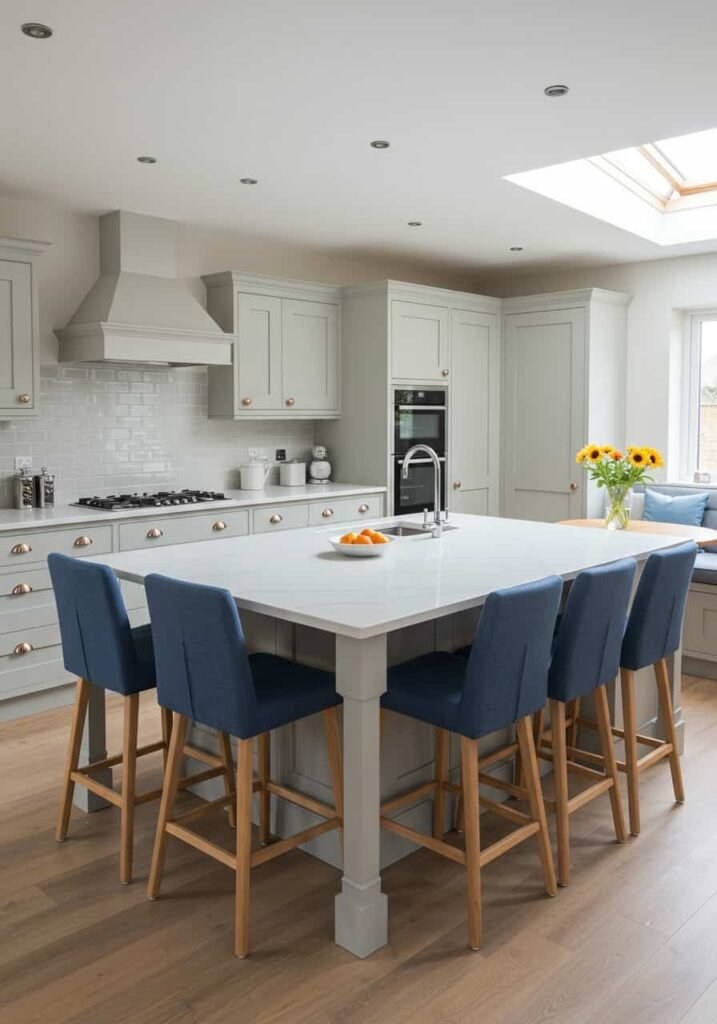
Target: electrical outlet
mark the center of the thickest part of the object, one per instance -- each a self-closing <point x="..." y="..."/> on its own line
<point x="23" y="462"/>
<point x="281" y="454"/>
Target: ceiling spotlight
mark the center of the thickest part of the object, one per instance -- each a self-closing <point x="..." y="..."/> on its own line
<point x="35" y="30"/>
<point x="380" y="144"/>
<point x="516" y="248"/>
<point x="146" y="159"/>
<point x="415" y="223"/>
<point x="556" y="90"/>
<point x="249" y="181"/>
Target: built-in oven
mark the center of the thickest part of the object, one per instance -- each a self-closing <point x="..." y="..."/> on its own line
<point x="416" y="492"/>
<point x="419" y="417"/>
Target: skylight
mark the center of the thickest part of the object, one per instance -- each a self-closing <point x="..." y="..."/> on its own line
<point x="665" y="191"/>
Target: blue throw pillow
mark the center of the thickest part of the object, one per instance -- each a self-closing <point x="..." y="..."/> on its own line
<point x="685" y="509"/>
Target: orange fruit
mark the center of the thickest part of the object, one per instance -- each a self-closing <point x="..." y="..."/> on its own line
<point x="348" y="538"/>
<point x="363" y="539"/>
<point x="368" y="532"/>
<point x="379" y="538"/>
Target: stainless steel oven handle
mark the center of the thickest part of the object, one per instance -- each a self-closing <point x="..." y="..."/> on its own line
<point x="425" y="408"/>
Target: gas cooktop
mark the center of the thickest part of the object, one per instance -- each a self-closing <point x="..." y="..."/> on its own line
<point x="161" y="499"/>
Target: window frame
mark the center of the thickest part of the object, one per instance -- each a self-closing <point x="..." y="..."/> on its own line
<point x="692" y="393"/>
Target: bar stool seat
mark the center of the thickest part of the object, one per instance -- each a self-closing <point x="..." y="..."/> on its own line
<point x="287" y="691"/>
<point x="429" y="688"/>
<point x="101" y="648"/>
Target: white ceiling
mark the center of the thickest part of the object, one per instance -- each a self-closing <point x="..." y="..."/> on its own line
<point x="292" y="91"/>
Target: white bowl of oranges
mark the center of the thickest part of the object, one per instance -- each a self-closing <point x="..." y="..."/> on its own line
<point x="366" y="544"/>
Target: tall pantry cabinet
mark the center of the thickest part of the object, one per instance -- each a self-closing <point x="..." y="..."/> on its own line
<point x="563" y="386"/>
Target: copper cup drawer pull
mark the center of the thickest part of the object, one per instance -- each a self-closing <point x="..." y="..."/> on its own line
<point x="21" y="588"/>
<point x="154" y="533"/>
<point x="21" y="549"/>
<point x="23" y="648"/>
<point x="363" y="508"/>
<point x="83" y="542"/>
<point x="276" y="518"/>
<point x="290" y="402"/>
<point x="327" y="513"/>
<point x="246" y="402"/>
<point x="219" y="525"/>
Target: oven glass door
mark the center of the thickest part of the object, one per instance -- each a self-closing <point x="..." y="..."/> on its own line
<point x="419" y="425"/>
<point x="416" y="492"/>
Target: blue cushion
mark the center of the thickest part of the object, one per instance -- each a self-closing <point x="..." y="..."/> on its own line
<point x="685" y="509"/>
<point x="705" y="570"/>
<point x="655" y="625"/>
<point x="428" y="688"/>
<point x="286" y="691"/>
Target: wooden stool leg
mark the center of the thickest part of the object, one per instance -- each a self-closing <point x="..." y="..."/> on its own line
<point x="573" y="727"/>
<point x="129" y="787"/>
<point x="538" y="728"/>
<point x="264" y="794"/>
<point x="627" y="681"/>
<point x="668" y="718"/>
<point x="166" y="804"/>
<point x="560" y="773"/>
<point x="82" y="694"/>
<point x="535" y="798"/>
<point x="469" y="773"/>
<point x="439" y="803"/>
<point x="608" y="753"/>
<point x="225" y="751"/>
<point x="460" y="816"/>
<point x="166" y="716"/>
<point x="336" y="767"/>
<point x="243" y="866"/>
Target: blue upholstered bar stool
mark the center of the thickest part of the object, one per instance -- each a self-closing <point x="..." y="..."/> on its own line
<point x="101" y="649"/>
<point x="205" y="673"/>
<point x="503" y="681"/>
<point x="654" y="632"/>
<point x="586" y="657"/>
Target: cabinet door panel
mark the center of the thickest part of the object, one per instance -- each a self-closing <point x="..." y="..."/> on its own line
<point x="16" y="355"/>
<point x="544" y="413"/>
<point x="419" y="341"/>
<point x="258" y="362"/>
<point x="310" y="355"/>
<point x="473" y="410"/>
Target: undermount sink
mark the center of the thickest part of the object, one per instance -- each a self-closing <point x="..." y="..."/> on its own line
<point x="408" y="530"/>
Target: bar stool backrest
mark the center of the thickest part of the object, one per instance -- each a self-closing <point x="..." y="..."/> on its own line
<point x="97" y="642"/>
<point x="654" y="628"/>
<point x="203" y="669"/>
<point x="507" y="671"/>
<point x="587" y="646"/>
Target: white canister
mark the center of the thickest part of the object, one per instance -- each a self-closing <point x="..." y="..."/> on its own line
<point x="292" y="474"/>
<point x="253" y="476"/>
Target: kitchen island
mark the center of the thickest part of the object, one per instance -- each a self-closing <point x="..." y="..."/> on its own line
<point x="299" y="598"/>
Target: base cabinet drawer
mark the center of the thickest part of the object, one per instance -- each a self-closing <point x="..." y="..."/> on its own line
<point x="346" y="510"/>
<point x="699" y="636"/>
<point x="182" y="529"/>
<point x="18" y="549"/>
<point x="39" y="670"/>
<point x="280" y="517"/>
<point x="27" y="611"/>
<point x="24" y="582"/>
<point x="22" y="642"/>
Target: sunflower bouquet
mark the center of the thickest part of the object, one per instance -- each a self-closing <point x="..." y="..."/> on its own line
<point x="618" y="472"/>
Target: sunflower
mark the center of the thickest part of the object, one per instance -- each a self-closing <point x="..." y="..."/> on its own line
<point x="654" y="458"/>
<point x="593" y="452"/>
<point x="615" y="455"/>
<point x="606" y="449"/>
<point x="639" y="457"/>
<point x="581" y="455"/>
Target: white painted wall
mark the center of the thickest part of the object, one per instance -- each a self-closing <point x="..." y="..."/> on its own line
<point x="663" y="291"/>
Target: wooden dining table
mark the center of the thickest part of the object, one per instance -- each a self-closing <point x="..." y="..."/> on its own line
<point x="699" y="534"/>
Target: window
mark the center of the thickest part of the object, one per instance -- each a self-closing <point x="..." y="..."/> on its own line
<point x="702" y="396"/>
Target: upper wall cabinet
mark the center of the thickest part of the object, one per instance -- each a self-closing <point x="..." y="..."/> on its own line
<point x="18" y="328"/>
<point x="287" y="352"/>
<point x="419" y="341"/>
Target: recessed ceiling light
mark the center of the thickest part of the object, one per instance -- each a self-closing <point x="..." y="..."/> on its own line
<point x="556" y="90"/>
<point x="249" y="181"/>
<point x="146" y="159"/>
<point x="35" y="30"/>
<point x="380" y="144"/>
<point x="516" y="248"/>
<point x="415" y="223"/>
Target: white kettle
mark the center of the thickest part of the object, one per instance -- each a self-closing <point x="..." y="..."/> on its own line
<point x="253" y="476"/>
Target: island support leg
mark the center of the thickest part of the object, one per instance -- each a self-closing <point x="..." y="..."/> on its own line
<point x="361" y="910"/>
<point x="94" y="748"/>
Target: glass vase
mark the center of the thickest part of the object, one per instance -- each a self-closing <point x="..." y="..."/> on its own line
<point x="618" y="505"/>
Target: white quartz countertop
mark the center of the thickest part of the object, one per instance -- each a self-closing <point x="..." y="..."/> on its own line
<point x="297" y="576"/>
<point x="274" y="494"/>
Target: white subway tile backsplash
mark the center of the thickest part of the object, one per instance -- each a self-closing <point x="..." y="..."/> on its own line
<point x="104" y="429"/>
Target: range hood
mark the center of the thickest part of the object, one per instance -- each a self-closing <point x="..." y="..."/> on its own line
<point x="138" y="311"/>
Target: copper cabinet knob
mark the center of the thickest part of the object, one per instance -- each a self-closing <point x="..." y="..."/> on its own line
<point x="219" y="525"/>
<point x="23" y="648"/>
<point x="573" y="487"/>
<point x="246" y="401"/>
<point x="444" y="372"/>
<point x="24" y="399"/>
<point x="276" y="518"/>
<point x="21" y="588"/>
<point x="327" y="513"/>
<point x="21" y="549"/>
<point x="290" y="401"/>
<point x="363" y="508"/>
<point x="154" y="533"/>
<point x="456" y="485"/>
<point x="83" y="542"/>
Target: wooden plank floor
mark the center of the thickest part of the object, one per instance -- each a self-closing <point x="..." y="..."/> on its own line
<point x="634" y="938"/>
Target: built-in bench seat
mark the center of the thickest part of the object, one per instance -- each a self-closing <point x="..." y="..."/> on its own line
<point x="705" y="568"/>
